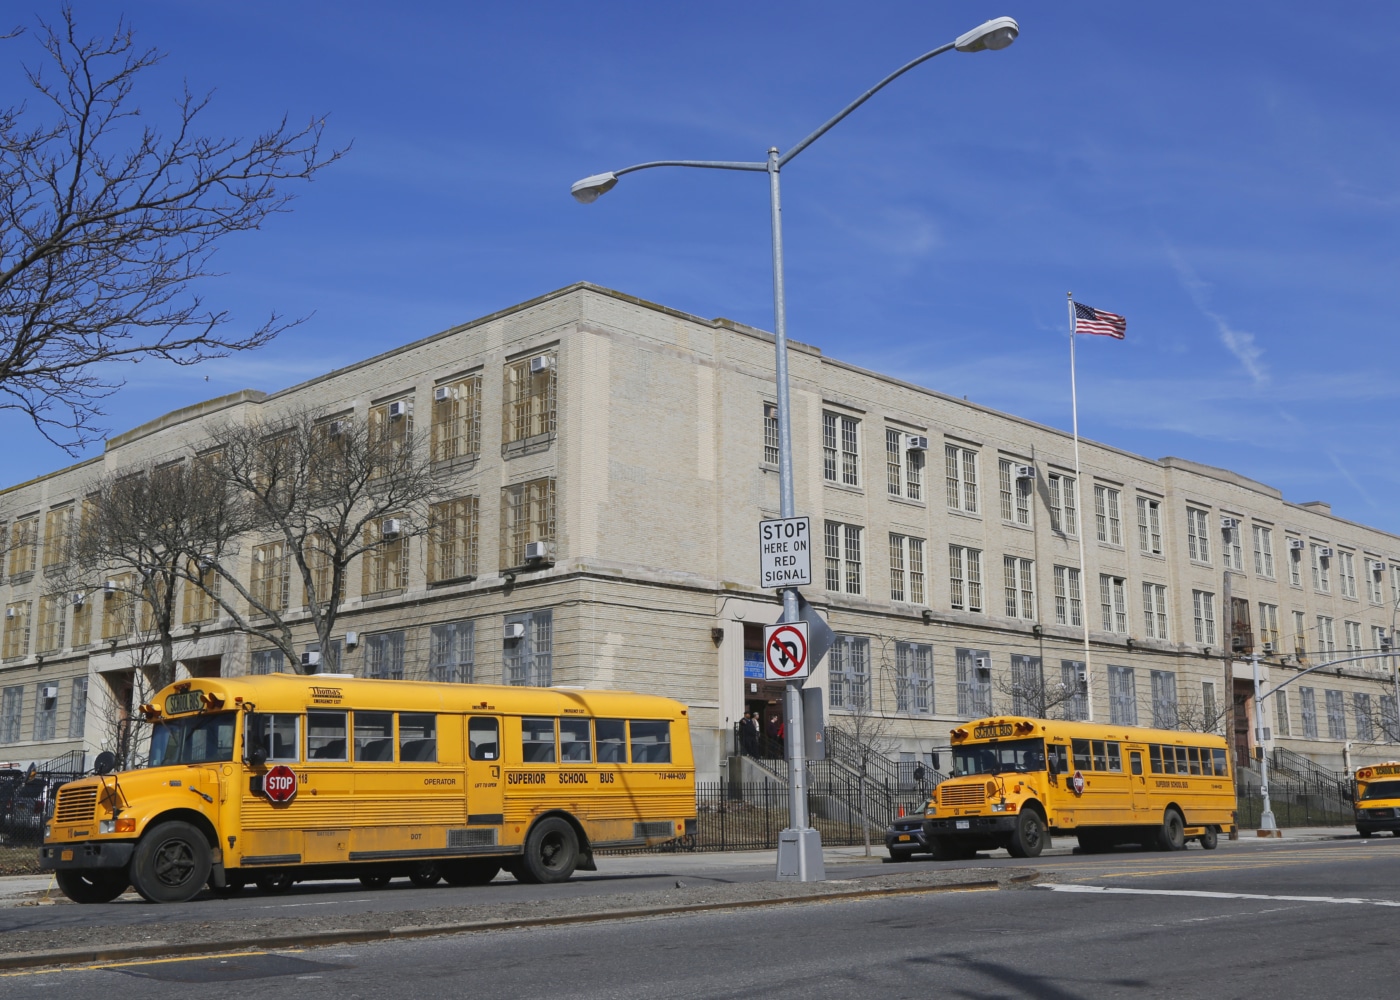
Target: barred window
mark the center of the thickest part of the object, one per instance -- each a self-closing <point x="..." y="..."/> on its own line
<point x="384" y="655"/>
<point x="1197" y="535"/>
<point x="974" y="668"/>
<point x="51" y="623"/>
<point x="1027" y="686"/>
<point x="271" y="577"/>
<point x="1069" y="596"/>
<point x="319" y="558"/>
<point x="848" y="671"/>
<point x="1149" y="526"/>
<point x="384" y="565"/>
<point x="11" y="706"/>
<point x="118" y="607"/>
<point x="453" y="653"/>
<point x="1326" y="639"/>
<point x="906" y="569"/>
<point x="1308" y="702"/>
<point x="77" y="708"/>
<point x="1015" y="494"/>
<point x="457" y="419"/>
<point x="267" y="661"/>
<point x="840" y="449"/>
<point x="964" y="578"/>
<point x="1268" y="625"/>
<point x="1108" y="515"/>
<point x="1019" y="583"/>
<point x="1074" y="686"/>
<point x="1231" y="552"/>
<point x="1113" y="601"/>
<point x="529" y="411"/>
<point x="1361" y="708"/>
<point x="330" y="659"/>
<point x="1203" y="616"/>
<point x="201" y="599"/>
<point x="24" y="545"/>
<point x="1346" y="573"/>
<point x="390" y="431"/>
<point x="843" y="557"/>
<point x="1336" y="715"/>
<point x="1264" y="552"/>
<point x="1281" y="722"/>
<point x="960" y="472"/>
<point x="1064" y="503"/>
<point x="1164" y="705"/>
<point x="914" y="475"/>
<point x="894" y="462"/>
<point x="527" y="515"/>
<point x="529" y="649"/>
<point x="913" y="664"/>
<point x="45" y="710"/>
<point x="452" y="540"/>
<point x="1321" y="570"/>
<point x="1154" y="611"/>
<point x="82" y="622"/>
<point x="772" y="452"/>
<point x="1122" y="696"/>
<point x="58" y="526"/>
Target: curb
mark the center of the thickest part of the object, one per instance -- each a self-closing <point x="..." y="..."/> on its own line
<point x="164" y="949"/>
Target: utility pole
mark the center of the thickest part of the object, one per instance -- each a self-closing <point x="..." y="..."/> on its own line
<point x="1266" y="818"/>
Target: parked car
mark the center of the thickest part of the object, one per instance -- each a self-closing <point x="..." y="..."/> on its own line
<point x="905" y="838"/>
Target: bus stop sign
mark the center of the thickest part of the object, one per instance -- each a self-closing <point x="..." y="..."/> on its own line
<point x="280" y="784"/>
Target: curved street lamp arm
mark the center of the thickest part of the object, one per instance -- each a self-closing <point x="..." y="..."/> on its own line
<point x="711" y="164"/>
<point x="1330" y="663"/>
<point x="859" y="101"/>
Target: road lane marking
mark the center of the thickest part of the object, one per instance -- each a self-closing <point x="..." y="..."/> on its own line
<point x="1205" y="894"/>
<point x="48" y="970"/>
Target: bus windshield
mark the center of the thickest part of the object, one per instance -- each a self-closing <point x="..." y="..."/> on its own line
<point x="194" y="739"/>
<point x="1381" y="790"/>
<point x="994" y="758"/>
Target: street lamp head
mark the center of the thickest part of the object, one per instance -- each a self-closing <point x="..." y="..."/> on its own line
<point x="997" y="33"/>
<point x="590" y="189"/>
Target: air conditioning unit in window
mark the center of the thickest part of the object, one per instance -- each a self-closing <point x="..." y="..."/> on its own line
<point x="400" y="408"/>
<point x="1081" y="674"/>
<point x="1377" y="567"/>
<point x="982" y="665"/>
<point x="915" y="442"/>
<point x="442" y="394"/>
<point x="77" y="598"/>
<point x="1268" y="647"/>
<point x="9" y="612"/>
<point x="515" y="631"/>
<point x="1296" y="544"/>
<point x="352" y="639"/>
<point x="109" y="587"/>
<point x="1023" y="471"/>
<point x="311" y="658"/>
<point x="49" y="692"/>
<point x="543" y="363"/>
<point x="391" y="527"/>
<point x="1324" y="552"/>
<point x="335" y="429"/>
<point x="1228" y="523"/>
<point x="535" y="551"/>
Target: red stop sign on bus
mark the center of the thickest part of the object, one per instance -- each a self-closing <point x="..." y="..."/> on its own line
<point x="280" y="784"/>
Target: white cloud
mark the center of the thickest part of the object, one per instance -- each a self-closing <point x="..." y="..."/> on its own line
<point x="1238" y="342"/>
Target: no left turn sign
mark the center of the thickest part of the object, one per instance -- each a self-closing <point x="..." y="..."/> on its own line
<point x="785" y="651"/>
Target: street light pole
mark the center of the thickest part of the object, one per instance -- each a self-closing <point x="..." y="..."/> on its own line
<point x="799" y="846"/>
<point x="1266" y="818"/>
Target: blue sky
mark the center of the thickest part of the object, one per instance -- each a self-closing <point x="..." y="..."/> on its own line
<point x="1227" y="176"/>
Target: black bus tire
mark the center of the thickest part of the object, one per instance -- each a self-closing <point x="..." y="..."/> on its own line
<point x="551" y="852"/>
<point x="100" y="886"/>
<point x="274" y="883"/>
<point x="425" y="875"/>
<point x="1172" y="834"/>
<point x="375" y="881"/>
<point x="171" y="863"/>
<point x="1028" y="838"/>
<point x="1210" y="840"/>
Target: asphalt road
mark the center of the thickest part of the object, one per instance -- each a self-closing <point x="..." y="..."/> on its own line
<point x="1312" y="920"/>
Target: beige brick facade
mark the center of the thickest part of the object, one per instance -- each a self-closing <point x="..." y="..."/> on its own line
<point x="659" y="478"/>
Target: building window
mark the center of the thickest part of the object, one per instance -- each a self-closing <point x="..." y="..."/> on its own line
<point x="528" y="414"/>
<point x="843" y="574"/>
<point x="1308" y="701"/>
<point x="1027" y="686"/>
<point x="1378" y="637"/>
<point x="11" y="706"/>
<point x="1281" y="723"/>
<point x="1018" y="576"/>
<point x="1336" y="715"/>
<point x="1321" y="570"/>
<point x="452" y="540"/>
<point x="117" y="607"/>
<point x="1326" y="640"/>
<point x="77" y="708"/>
<point x="1108" y="515"/>
<point x="384" y="655"/>
<point x="894" y="462"/>
<point x="1164" y="709"/>
<point x="16" y="630"/>
<point x="1394" y="583"/>
<point x="527" y="515"/>
<point x="384" y="567"/>
<point x="1231" y="554"/>
<point x="1154" y="611"/>
<point x="201" y="599"/>
<point x="1203" y="615"/>
<point x="960" y="470"/>
<point x="1352" y="631"/>
<point x="1113" y="601"/>
<point x="1263" y="551"/>
<point x="1122" y="696"/>
<point x="390" y="432"/>
<point x="848" y="671"/>
<point x="1074" y="688"/>
<point x="964" y="578"/>
<point x="914" y="474"/>
<point x="1360" y="707"/>
<point x="772" y="452"/>
<point x="1295" y="562"/>
<point x="270" y="585"/>
<point x="529" y="649"/>
<point x="82" y="622"/>
<point x="1375" y="580"/>
<point x="906" y="569"/>
<point x="457" y="419"/>
<point x="913" y="665"/>
<point x="1149" y="514"/>
<point x="1268" y="624"/>
<point x="1390" y="718"/>
<point x="452" y="653"/>
<point x="58" y="525"/>
<point x="267" y="661"/>
<point x="24" y="545"/>
<point x="1300" y="635"/>
<point x="51" y="623"/>
<point x="1069" y="596"/>
<point x="45" y="711"/>
<point x="841" y="449"/>
<point x="974" y="683"/>
<point x="1346" y="573"/>
<point x="1064" y="503"/>
<point x="1015" y="494"/>
<point x="1209" y="716"/>
<point x="1197" y="535"/>
<point x="330" y="659"/>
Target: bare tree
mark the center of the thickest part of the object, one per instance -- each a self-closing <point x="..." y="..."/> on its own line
<point x="326" y="492"/>
<point x="1029" y="693"/>
<point x="1195" y="715"/>
<point x="105" y="224"/>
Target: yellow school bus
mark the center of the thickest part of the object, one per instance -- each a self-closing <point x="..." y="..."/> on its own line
<point x="1377" y="799"/>
<point x="278" y="778"/>
<point x="1017" y="781"/>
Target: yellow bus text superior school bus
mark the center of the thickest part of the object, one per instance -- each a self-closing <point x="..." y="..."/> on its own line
<point x="1016" y="781"/>
<point x="1376" y="799"/>
<point x="273" y="779"/>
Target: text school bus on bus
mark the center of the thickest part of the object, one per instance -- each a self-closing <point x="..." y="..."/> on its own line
<point x="1016" y="781"/>
<point x="278" y="778"/>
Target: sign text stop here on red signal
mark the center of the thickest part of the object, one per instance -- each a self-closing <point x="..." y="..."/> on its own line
<point x="785" y="552"/>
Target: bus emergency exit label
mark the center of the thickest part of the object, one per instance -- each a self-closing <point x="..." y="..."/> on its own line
<point x="785" y="552"/>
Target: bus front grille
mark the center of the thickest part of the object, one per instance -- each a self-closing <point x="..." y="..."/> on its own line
<point x="76" y="805"/>
<point x="962" y="795"/>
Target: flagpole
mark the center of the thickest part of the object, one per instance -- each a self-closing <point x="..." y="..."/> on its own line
<point x="1079" y="480"/>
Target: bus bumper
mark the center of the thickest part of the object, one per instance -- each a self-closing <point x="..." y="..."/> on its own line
<point x="970" y="826"/>
<point x="87" y="855"/>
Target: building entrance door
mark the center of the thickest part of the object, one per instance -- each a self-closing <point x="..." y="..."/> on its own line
<point x="1244" y="713"/>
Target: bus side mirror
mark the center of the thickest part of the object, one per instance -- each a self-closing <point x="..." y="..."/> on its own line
<point x="1348" y="795"/>
<point x="1053" y="765"/>
<point x="104" y="763"/>
<point x="257" y="756"/>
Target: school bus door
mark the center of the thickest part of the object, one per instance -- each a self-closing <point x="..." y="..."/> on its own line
<point x="485" y="801"/>
<point x="1137" y="782"/>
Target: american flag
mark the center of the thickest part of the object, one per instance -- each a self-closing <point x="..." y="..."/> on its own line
<point x="1105" y="324"/>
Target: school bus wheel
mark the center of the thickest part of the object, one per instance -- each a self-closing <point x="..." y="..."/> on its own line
<point x="171" y="863"/>
<point x="274" y="883"/>
<point x="460" y="873"/>
<point x="1172" y="834"/>
<point x="1028" y="837"/>
<point x="101" y="886"/>
<point x="1210" y="839"/>
<point x="551" y="852"/>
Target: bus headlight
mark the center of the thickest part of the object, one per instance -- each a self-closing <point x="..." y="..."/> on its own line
<point x="48" y="831"/>
<point x="931" y="811"/>
<point x="121" y="824"/>
<point x="1001" y="807"/>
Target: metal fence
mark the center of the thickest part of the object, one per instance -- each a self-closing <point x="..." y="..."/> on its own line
<point x="1296" y="803"/>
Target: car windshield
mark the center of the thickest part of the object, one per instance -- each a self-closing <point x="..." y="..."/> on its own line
<point x="1382" y="790"/>
<point x="194" y="739"/>
<point x="1002" y="755"/>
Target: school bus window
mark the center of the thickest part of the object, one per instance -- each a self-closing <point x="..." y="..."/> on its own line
<point x="1135" y="759"/>
<point x="1154" y="753"/>
<point x="417" y="737"/>
<point x="612" y="741"/>
<point x="1115" y="761"/>
<point x="1222" y="767"/>
<point x="195" y="739"/>
<point x="1082" y="760"/>
<point x="651" y="742"/>
<point x="274" y="733"/>
<point x="1194" y="755"/>
<point x="537" y="741"/>
<point x="1182" y="766"/>
<point x="325" y="736"/>
<point x="374" y="736"/>
<point x="575" y="741"/>
<point x="483" y="739"/>
<point x="1381" y="790"/>
<point x="1100" y="756"/>
<point x="1059" y="754"/>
